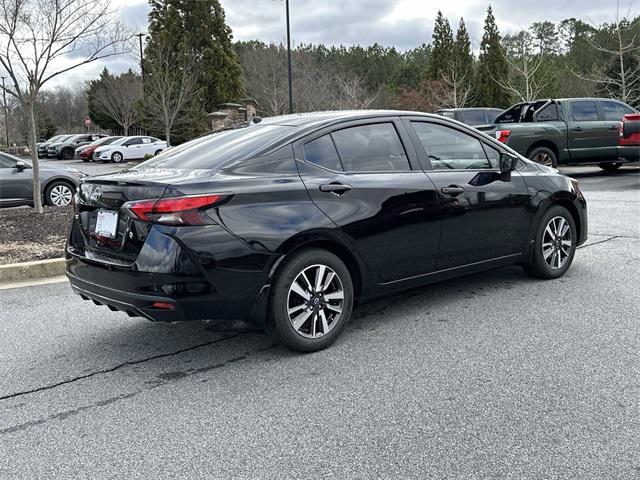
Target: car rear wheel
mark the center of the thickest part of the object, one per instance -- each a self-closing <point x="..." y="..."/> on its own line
<point x="610" y="167"/>
<point x="544" y="156"/>
<point x="554" y="246"/>
<point x="311" y="300"/>
<point x="116" y="157"/>
<point x="59" y="194"/>
<point x="158" y="152"/>
<point x="67" y="154"/>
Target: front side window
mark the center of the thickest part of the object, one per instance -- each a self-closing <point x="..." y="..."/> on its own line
<point x="322" y="152"/>
<point x="371" y="148"/>
<point x="584" y="111"/>
<point x="614" y="111"/>
<point x="6" y="162"/>
<point x="448" y="148"/>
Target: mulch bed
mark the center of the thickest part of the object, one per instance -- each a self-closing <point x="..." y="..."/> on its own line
<point x="26" y="236"/>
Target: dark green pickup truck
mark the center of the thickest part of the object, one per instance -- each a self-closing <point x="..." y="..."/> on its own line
<point x="566" y="131"/>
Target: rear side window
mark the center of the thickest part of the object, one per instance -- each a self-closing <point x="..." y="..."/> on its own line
<point x="448" y="148"/>
<point x="584" y="111"/>
<point x="371" y="148"/>
<point x="614" y="111"/>
<point x="214" y="151"/>
<point x="133" y="141"/>
<point x="322" y="152"/>
<point x="548" y="113"/>
<point x="473" y="117"/>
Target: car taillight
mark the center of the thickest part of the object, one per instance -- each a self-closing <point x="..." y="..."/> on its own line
<point x="175" y="210"/>
<point x="503" y="135"/>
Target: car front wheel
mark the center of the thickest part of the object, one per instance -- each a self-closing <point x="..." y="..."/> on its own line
<point x="311" y="300"/>
<point x="59" y="194"/>
<point x="116" y="157"/>
<point x="554" y="246"/>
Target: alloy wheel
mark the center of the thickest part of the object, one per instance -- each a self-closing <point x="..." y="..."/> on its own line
<point x="556" y="242"/>
<point x="117" y="157"/>
<point x="315" y="301"/>
<point x="60" y="195"/>
<point x="543" y="158"/>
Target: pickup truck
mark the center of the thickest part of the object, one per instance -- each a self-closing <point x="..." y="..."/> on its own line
<point x="566" y="131"/>
<point x="629" y="139"/>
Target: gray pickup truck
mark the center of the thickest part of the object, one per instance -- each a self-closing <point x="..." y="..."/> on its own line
<point x="566" y="131"/>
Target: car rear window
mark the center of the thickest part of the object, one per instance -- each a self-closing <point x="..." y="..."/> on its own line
<point x="473" y="117"/>
<point x="218" y="149"/>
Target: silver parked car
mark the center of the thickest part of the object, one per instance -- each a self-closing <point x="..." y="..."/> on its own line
<point x="58" y="183"/>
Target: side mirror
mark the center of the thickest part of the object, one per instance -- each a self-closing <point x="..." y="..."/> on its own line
<point x="20" y="166"/>
<point x="508" y="163"/>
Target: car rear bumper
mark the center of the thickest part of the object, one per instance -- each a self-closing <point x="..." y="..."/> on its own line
<point x="629" y="153"/>
<point x="225" y="284"/>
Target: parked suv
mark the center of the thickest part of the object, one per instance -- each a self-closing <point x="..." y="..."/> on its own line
<point x="471" y="116"/>
<point x="43" y="146"/>
<point x="65" y="149"/>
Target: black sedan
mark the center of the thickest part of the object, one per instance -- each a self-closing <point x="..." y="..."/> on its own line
<point x="291" y="222"/>
<point x="16" y="183"/>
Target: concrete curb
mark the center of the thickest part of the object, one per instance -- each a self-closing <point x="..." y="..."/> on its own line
<point x="21" y="272"/>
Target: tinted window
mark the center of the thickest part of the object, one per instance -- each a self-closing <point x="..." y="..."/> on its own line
<point x="218" y="149"/>
<point x="448" y="148"/>
<point x="473" y="117"/>
<point x="615" y="111"/>
<point x="584" y="111"/>
<point x="133" y="141"/>
<point x="371" y="148"/>
<point x="6" y="162"/>
<point x="322" y="152"/>
<point x="548" y="113"/>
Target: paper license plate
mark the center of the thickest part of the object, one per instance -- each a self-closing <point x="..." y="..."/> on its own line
<point x="107" y="223"/>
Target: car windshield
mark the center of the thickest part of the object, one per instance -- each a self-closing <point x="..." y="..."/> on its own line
<point x="62" y="138"/>
<point x="213" y="151"/>
<point x="106" y="141"/>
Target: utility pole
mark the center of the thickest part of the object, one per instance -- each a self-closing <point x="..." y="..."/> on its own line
<point x="140" y="35"/>
<point x="6" y="116"/>
<point x="289" y="59"/>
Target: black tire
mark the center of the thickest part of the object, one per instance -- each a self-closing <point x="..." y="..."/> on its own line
<point x="158" y="152"/>
<point x="59" y="193"/>
<point x="85" y="160"/>
<point x="117" y="157"/>
<point x="538" y="264"/>
<point x="544" y="156"/>
<point x="308" y="336"/>
<point x="67" y="154"/>
<point x="610" y="167"/>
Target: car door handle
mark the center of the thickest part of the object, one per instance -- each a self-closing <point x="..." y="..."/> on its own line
<point x="613" y="127"/>
<point x="577" y="129"/>
<point x="337" y="188"/>
<point x="453" y="190"/>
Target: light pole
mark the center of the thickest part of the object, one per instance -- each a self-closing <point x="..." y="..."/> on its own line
<point x="4" y="106"/>
<point x="140" y="35"/>
<point x="289" y="59"/>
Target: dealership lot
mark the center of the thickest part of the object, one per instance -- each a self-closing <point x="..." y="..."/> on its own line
<point x="490" y="375"/>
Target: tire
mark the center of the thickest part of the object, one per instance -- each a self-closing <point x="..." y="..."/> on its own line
<point x="552" y="257"/>
<point x="299" y="320"/>
<point x="85" y="160"/>
<point x="67" y="154"/>
<point x="544" y="156"/>
<point x="59" y="194"/>
<point x="610" y="167"/>
<point x="157" y="153"/>
<point x="116" y="157"/>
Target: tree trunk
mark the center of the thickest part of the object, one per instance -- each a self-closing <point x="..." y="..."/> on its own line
<point x="167" y="136"/>
<point x="37" y="194"/>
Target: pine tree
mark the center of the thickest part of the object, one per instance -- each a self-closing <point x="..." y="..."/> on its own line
<point x="463" y="61"/>
<point x="197" y="30"/>
<point x="492" y="66"/>
<point x="441" y="48"/>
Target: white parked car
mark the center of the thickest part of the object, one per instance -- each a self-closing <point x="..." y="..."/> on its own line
<point x="129" y="148"/>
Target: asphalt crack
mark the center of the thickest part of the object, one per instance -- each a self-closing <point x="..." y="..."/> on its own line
<point x="598" y="242"/>
<point x="125" y="364"/>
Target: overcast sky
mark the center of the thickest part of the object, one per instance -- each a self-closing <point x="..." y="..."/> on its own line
<point x="401" y="23"/>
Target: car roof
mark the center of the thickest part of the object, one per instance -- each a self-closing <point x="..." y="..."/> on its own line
<point x="317" y="119"/>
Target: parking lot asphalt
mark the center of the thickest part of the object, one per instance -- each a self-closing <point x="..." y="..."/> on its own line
<point x="491" y="375"/>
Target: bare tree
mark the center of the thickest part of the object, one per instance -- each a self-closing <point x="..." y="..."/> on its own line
<point x="456" y="87"/>
<point x="621" y="77"/>
<point x="43" y="39"/>
<point x="352" y="94"/>
<point x="171" y="83"/>
<point x="526" y="77"/>
<point x="118" y="97"/>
